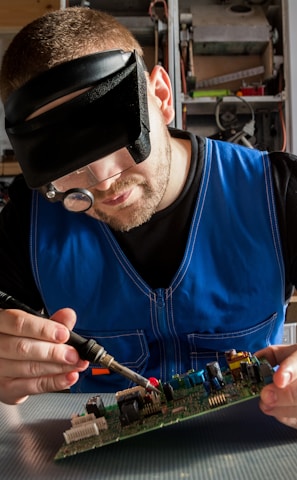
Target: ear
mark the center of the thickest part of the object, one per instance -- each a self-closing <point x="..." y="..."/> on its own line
<point x="160" y="87"/>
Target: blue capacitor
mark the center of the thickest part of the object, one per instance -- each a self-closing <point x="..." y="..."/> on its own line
<point x="197" y="377"/>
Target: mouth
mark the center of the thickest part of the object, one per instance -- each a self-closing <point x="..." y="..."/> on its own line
<point x="117" y="199"/>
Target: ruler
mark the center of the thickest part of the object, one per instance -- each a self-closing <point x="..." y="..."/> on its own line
<point x="230" y="77"/>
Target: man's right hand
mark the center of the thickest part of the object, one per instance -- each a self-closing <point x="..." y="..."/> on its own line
<point x="34" y="358"/>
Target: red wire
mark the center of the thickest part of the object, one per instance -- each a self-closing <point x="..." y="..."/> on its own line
<point x="283" y="126"/>
<point x="152" y="4"/>
<point x="281" y="114"/>
<point x="184" y="89"/>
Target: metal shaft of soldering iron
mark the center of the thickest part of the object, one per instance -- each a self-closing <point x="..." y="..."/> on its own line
<point x="95" y="353"/>
<point x="88" y="349"/>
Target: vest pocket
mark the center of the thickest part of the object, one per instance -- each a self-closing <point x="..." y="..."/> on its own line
<point x="127" y="347"/>
<point x="208" y="347"/>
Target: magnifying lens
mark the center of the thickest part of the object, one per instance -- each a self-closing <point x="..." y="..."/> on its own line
<point x="74" y="199"/>
<point x="73" y="189"/>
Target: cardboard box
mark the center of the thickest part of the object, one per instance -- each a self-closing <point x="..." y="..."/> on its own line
<point x="9" y="169"/>
<point x="17" y="13"/>
<point x="207" y="68"/>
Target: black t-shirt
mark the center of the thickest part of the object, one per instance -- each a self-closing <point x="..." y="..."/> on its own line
<point x="155" y="248"/>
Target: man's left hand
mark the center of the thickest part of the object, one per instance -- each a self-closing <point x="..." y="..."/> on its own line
<point x="279" y="398"/>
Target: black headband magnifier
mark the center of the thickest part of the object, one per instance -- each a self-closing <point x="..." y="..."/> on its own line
<point x="57" y="148"/>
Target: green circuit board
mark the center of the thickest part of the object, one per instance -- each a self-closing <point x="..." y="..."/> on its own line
<point x="137" y="411"/>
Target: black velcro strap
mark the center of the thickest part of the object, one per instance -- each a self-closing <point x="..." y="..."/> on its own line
<point x="62" y="79"/>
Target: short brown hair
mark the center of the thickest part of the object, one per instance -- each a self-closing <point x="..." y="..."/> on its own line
<point x="58" y="37"/>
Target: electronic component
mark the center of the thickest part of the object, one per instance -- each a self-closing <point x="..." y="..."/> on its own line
<point x="95" y="405"/>
<point x="138" y="410"/>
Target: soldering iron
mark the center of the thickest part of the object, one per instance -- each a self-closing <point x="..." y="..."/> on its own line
<point x="88" y="349"/>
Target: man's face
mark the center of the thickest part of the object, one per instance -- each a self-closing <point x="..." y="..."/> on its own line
<point x="128" y="199"/>
<point x="127" y="194"/>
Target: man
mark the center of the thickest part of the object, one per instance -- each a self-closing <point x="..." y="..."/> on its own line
<point x="166" y="248"/>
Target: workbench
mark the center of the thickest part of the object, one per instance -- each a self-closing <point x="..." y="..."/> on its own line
<point x="225" y="444"/>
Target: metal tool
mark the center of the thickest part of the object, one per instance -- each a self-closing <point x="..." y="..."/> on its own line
<point x="88" y="349"/>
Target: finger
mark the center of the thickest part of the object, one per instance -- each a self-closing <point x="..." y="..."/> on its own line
<point x="274" y="397"/>
<point x="286" y="415"/>
<point x="280" y="412"/>
<point x="31" y="369"/>
<point x="65" y="316"/>
<point x="22" y="324"/>
<point x="26" y="349"/>
<point x="280" y="403"/>
<point x="16" y="390"/>
<point x="286" y="357"/>
<point x="276" y="354"/>
<point x="286" y="374"/>
<point x="289" y="421"/>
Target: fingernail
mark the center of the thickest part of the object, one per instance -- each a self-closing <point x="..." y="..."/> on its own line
<point x="71" y="356"/>
<point x="60" y="335"/>
<point x="286" y="378"/>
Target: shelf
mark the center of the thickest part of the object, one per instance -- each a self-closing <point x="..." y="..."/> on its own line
<point x="206" y="105"/>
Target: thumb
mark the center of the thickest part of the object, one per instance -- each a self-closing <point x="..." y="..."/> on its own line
<point x="66" y="316"/>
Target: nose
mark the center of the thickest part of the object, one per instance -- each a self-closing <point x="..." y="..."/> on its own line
<point x="108" y="169"/>
<point x="105" y="184"/>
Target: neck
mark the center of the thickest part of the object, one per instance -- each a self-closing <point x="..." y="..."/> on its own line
<point x="180" y="165"/>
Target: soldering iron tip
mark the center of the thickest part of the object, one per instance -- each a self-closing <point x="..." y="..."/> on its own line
<point x="152" y="384"/>
<point x="154" y="389"/>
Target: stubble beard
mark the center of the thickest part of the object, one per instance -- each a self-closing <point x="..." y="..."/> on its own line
<point x="141" y="211"/>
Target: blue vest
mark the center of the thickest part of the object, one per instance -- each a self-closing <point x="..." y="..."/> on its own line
<point x="228" y="291"/>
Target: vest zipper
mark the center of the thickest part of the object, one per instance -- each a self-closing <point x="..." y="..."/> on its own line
<point x="167" y="340"/>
